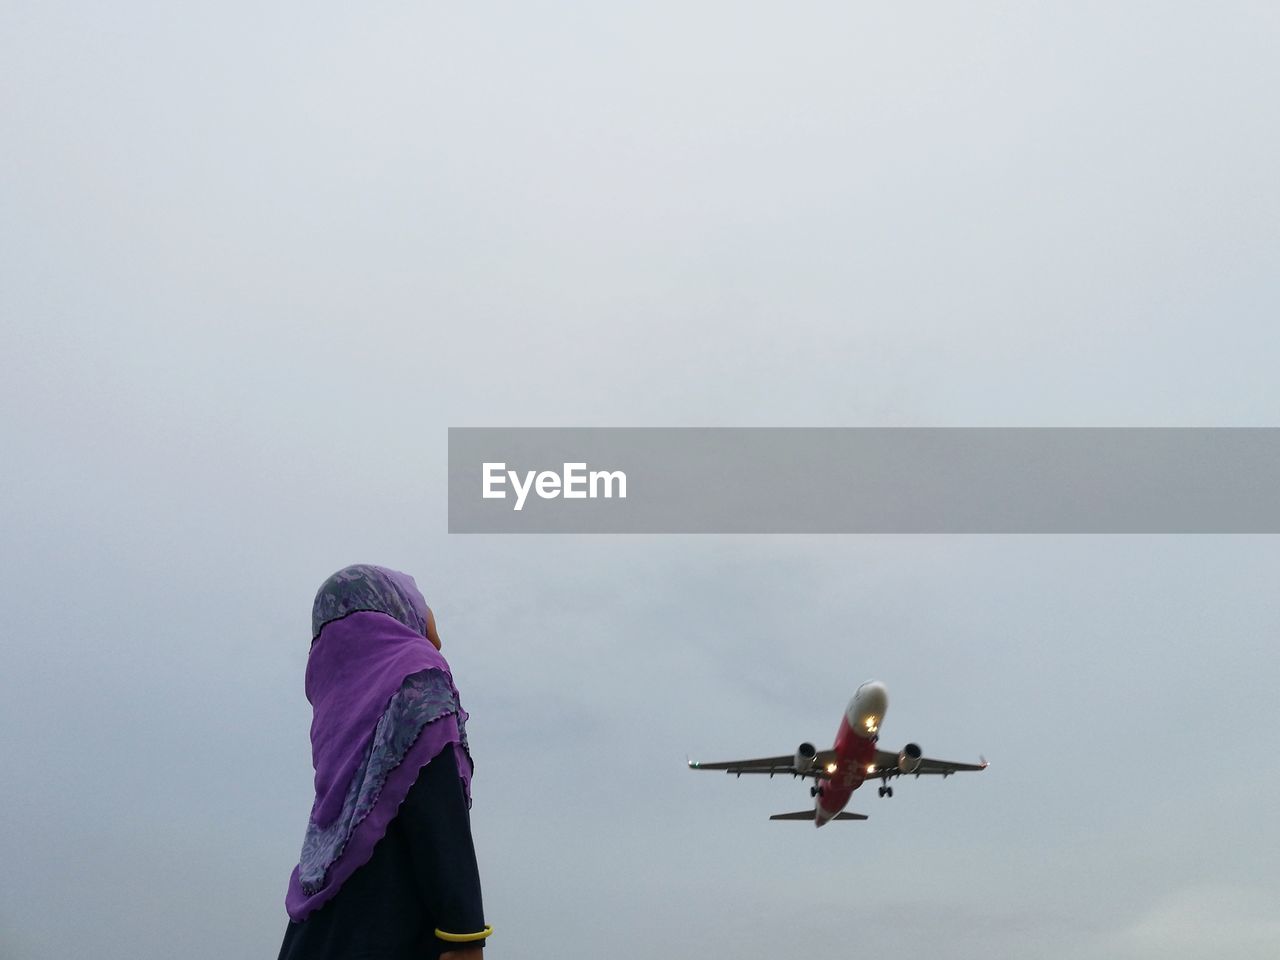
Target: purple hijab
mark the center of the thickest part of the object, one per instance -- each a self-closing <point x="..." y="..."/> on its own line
<point x="384" y="707"/>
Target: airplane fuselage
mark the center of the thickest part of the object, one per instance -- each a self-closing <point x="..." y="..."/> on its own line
<point x="855" y="750"/>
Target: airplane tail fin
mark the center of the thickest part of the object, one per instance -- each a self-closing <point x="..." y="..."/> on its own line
<point x="811" y="814"/>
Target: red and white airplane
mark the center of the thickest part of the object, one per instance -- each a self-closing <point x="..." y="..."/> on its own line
<point x="849" y="764"/>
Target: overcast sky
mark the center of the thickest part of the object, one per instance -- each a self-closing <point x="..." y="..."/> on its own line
<point x="256" y="260"/>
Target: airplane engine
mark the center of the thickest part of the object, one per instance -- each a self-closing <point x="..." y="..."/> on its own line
<point x="805" y="754"/>
<point x="909" y="758"/>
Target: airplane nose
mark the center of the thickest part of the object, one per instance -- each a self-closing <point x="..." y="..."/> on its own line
<point x="868" y="708"/>
<point x="874" y="697"/>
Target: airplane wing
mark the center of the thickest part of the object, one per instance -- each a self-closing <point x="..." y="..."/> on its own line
<point x="887" y="763"/>
<point x="785" y="764"/>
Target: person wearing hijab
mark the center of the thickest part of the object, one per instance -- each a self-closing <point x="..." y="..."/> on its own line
<point x="387" y="870"/>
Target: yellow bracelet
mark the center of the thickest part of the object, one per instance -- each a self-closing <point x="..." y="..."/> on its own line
<point x="464" y="937"/>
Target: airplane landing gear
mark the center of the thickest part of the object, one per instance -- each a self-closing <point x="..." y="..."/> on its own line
<point x="886" y="791"/>
<point x="815" y="791"/>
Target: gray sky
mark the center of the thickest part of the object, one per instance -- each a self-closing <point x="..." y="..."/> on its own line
<point x="257" y="260"/>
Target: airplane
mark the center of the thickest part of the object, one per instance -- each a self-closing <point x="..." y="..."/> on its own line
<point x="849" y="764"/>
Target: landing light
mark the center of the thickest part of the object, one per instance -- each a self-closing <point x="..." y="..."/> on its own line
<point x="871" y="768"/>
<point x="831" y="768"/>
<point x="871" y="724"/>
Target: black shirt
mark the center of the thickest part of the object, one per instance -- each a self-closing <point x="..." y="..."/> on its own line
<point x="422" y="875"/>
